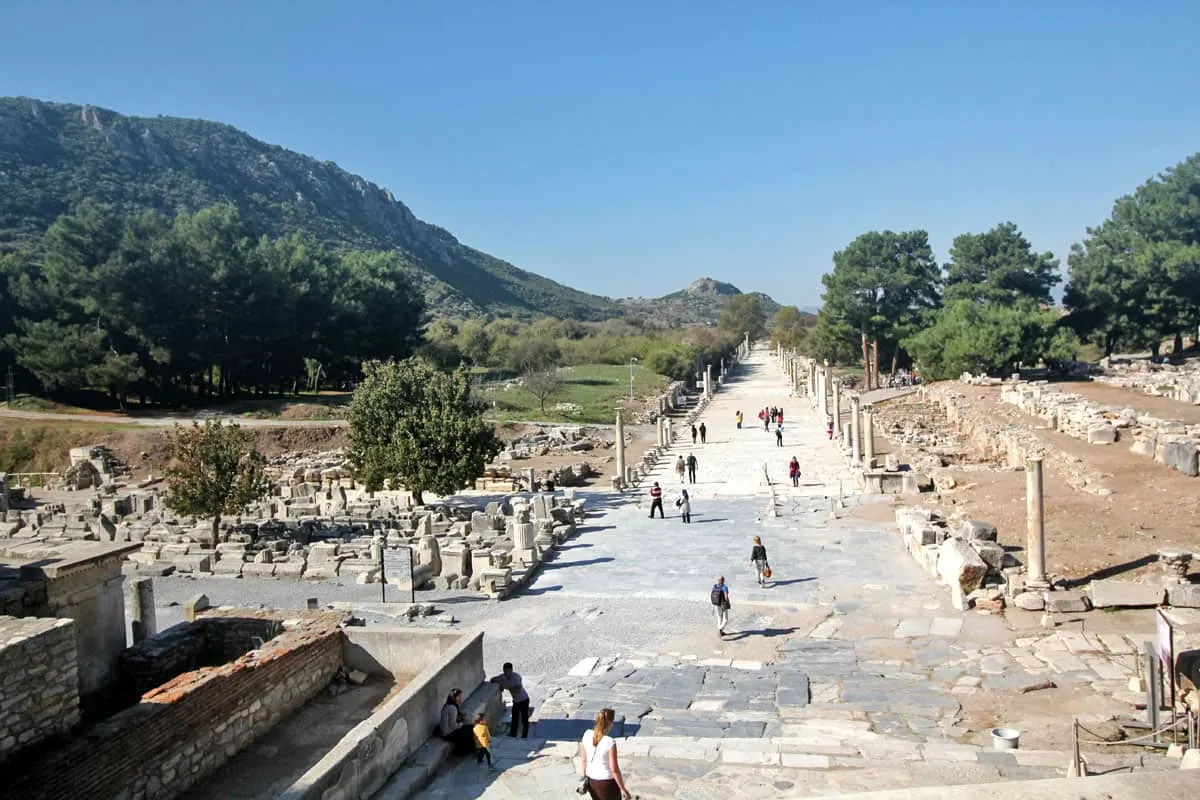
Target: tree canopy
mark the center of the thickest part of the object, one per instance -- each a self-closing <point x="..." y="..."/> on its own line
<point x="411" y="424"/>
<point x="198" y="303"/>
<point x="999" y="266"/>
<point x="882" y="286"/>
<point x="743" y="315"/>
<point x="214" y="471"/>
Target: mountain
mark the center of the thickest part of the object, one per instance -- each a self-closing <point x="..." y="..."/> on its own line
<point x="700" y="303"/>
<point x="52" y="155"/>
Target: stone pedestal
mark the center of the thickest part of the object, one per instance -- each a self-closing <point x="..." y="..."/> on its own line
<point x="142" y="622"/>
<point x="1175" y="563"/>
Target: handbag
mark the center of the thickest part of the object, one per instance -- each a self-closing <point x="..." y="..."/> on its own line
<point x="582" y="788"/>
<point x="767" y="571"/>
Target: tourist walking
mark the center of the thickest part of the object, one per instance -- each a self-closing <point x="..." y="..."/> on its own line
<point x="598" y="757"/>
<point x="719" y="597"/>
<point x="692" y="463"/>
<point x="684" y="504"/>
<point x="656" y="501"/>
<point x="794" y="471"/>
<point x="738" y="418"/>
<point x="779" y="416"/>
<point x="779" y="435"/>
<point x="703" y="433"/>
<point x="766" y="418"/>
<point x="511" y="682"/>
<point x="680" y="468"/>
<point x="758" y="557"/>
<point x="829" y="428"/>
<point x="694" y="431"/>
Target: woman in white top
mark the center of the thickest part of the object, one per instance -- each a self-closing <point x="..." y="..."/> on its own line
<point x="598" y="756"/>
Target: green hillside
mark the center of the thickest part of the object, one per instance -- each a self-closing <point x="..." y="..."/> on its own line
<point x="52" y="155"/>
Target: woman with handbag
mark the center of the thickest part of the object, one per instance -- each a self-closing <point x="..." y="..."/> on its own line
<point x="602" y="779"/>
<point x="758" y="556"/>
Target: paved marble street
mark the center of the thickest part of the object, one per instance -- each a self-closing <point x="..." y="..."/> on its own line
<point x="845" y="673"/>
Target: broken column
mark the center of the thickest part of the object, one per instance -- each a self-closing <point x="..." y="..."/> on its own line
<point x="868" y="435"/>
<point x="142" y="622"/>
<point x="855" y="430"/>
<point x="1035" y="522"/>
<point x="620" y="445"/>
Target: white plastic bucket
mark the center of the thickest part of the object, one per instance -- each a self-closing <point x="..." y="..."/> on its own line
<point x="1006" y="738"/>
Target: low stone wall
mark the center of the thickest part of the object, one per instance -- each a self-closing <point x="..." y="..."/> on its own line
<point x="184" y="730"/>
<point x="367" y="756"/>
<point x="1169" y="442"/>
<point x="39" y="696"/>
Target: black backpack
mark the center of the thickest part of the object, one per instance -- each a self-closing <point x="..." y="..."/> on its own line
<point x="717" y="596"/>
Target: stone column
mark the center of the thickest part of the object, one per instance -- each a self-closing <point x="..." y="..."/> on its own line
<point x="868" y="437"/>
<point x="837" y="409"/>
<point x="746" y="342"/>
<point x="620" y="445"/>
<point x="1035" y="525"/>
<point x="667" y="430"/>
<point x="822" y="398"/>
<point x="142" y="622"/>
<point x="855" y="430"/>
<point x="708" y="382"/>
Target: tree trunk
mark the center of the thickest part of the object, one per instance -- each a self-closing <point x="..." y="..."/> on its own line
<point x="874" y="363"/>
<point x="895" y="359"/>
<point x="1177" y="347"/>
<point x="216" y="525"/>
<point x="866" y="358"/>
<point x="1110" y="343"/>
<point x="417" y="496"/>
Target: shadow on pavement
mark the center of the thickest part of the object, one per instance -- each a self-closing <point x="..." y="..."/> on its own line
<point x="764" y="632"/>
<point x="584" y="563"/>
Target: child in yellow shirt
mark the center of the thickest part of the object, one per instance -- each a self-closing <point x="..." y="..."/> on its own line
<point x="483" y="741"/>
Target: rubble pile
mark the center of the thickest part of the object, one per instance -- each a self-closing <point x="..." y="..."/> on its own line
<point x="319" y="525"/>
<point x="1180" y="382"/>
<point x="1169" y="442"/>
<point x="966" y="556"/>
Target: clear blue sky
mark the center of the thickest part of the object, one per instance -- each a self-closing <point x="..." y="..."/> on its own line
<point x="629" y="147"/>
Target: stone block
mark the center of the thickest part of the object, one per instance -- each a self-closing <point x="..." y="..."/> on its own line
<point x="1143" y="446"/>
<point x="1181" y="454"/>
<point x="194" y="605"/>
<point x="1124" y="594"/>
<point x="1068" y="602"/>
<point x="959" y="565"/>
<point x="255" y="569"/>
<point x="991" y="553"/>
<point x="289" y="569"/>
<point x="1185" y="596"/>
<point x="192" y="564"/>
<point x="1102" y="433"/>
<point x="1029" y="601"/>
<point x="974" y="529"/>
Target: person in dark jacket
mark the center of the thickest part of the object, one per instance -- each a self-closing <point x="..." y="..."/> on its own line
<point x="758" y="557"/>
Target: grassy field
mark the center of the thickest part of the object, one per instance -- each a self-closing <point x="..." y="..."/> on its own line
<point x="589" y="394"/>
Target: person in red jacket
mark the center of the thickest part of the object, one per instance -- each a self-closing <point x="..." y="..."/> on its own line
<point x="656" y="501"/>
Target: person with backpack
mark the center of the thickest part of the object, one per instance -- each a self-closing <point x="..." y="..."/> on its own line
<point x="779" y="435"/>
<point x="692" y="463"/>
<point x="738" y="418"/>
<point x="684" y="504"/>
<point x="758" y="557"/>
<point x="656" y="501"/>
<point x="703" y="433"/>
<point x="794" y="471"/>
<point x="719" y="597"/>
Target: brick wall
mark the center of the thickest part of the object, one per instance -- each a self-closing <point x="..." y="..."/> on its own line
<point x="185" y="729"/>
<point x="39" y="693"/>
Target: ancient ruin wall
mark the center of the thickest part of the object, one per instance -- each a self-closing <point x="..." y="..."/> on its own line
<point x="184" y="730"/>
<point x="39" y="696"/>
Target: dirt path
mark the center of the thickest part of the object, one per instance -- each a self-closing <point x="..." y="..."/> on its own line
<point x="1162" y="407"/>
